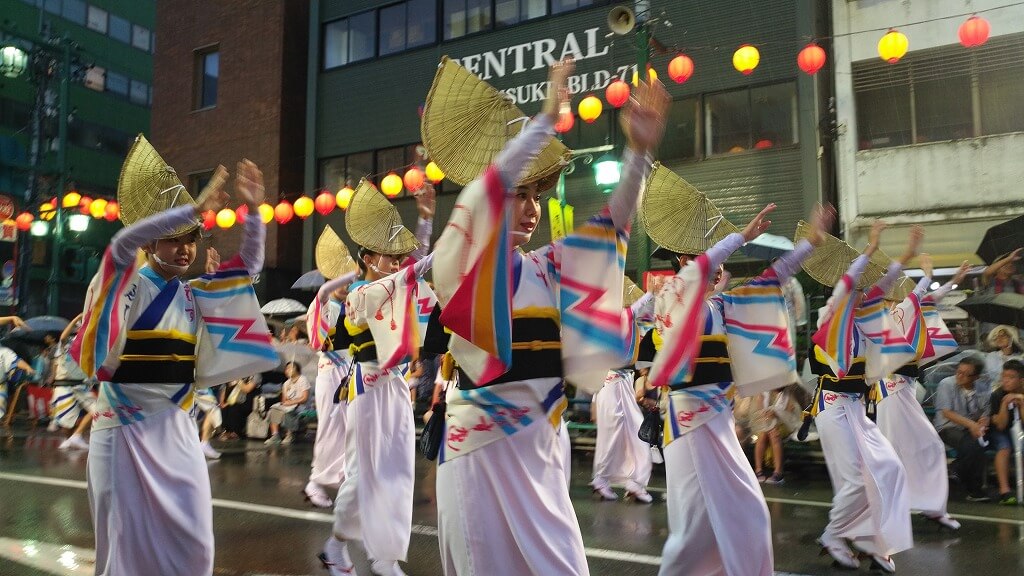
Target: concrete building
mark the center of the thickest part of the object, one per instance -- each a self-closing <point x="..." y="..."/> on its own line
<point x="743" y="140"/>
<point x="936" y="139"/>
<point x="230" y="83"/>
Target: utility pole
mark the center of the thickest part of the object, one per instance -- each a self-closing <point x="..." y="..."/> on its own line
<point x="53" y="294"/>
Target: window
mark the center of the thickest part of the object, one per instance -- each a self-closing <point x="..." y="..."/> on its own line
<point x="336" y="173"/>
<point x="140" y="37"/>
<point x="508" y="12"/>
<point x="117" y="83"/>
<point x="392" y="29"/>
<point x="421" y="22"/>
<point x="680" y="140"/>
<point x="74" y="11"/>
<point x="463" y="17"/>
<point x="390" y="159"/>
<point x="207" y="75"/>
<point x="939" y="94"/>
<point x="754" y="118"/>
<point x="139" y="93"/>
<point x="559" y="6"/>
<point x="198" y="181"/>
<point x="97" y="19"/>
<point x="350" y="39"/>
<point x="406" y="25"/>
<point x="52" y="6"/>
<point x="94" y="78"/>
<point x="120" y="29"/>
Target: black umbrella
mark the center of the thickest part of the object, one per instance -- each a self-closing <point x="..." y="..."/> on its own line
<point x="1005" y="308"/>
<point x="1002" y="239"/>
<point x="36" y="329"/>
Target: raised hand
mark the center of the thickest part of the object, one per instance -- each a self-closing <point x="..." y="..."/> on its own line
<point x="913" y="244"/>
<point x="875" y="236"/>
<point x="961" y="272"/>
<point x="213" y="197"/>
<point x="644" y="118"/>
<point x="249" y="185"/>
<point x="927" y="265"/>
<point x="822" y="219"/>
<point x="212" y="260"/>
<point x="759" y="224"/>
<point x="558" y="90"/>
<point x="426" y="201"/>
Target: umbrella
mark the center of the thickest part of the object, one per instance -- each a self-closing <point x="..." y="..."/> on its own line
<point x="1002" y="239"/>
<point x="1005" y="308"/>
<point x="301" y="354"/>
<point x="25" y="350"/>
<point x="36" y="329"/>
<point x="311" y="280"/>
<point x="767" y="247"/>
<point x="283" y="307"/>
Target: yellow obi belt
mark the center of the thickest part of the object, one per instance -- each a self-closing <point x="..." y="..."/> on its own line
<point x="157" y="357"/>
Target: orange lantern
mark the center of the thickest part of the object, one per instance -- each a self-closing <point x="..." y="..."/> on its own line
<point x="24" y="221"/>
<point x="413" y="179"/>
<point x="241" y="213"/>
<point x="324" y="203"/>
<point x="112" y="212"/>
<point x="811" y="58"/>
<point x="85" y="205"/>
<point x="303" y="207"/>
<point x="226" y="218"/>
<point x="590" y="109"/>
<point x="565" y="123"/>
<point x="98" y="208"/>
<point x="283" y="212"/>
<point x="46" y="211"/>
<point x="434" y="173"/>
<point x="344" y="196"/>
<point x="266" y="213"/>
<point x="680" y="68"/>
<point x="617" y="93"/>
<point x="745" y="59"/>
<point x="209" y="220"/>
<point x="71" y="200"/>
<point x="893" y="46"/>
<point x="974" y="32"/>
<point x="391" y="185"/>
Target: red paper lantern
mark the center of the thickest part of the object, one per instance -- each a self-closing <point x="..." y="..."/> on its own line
<point x="617" y="93"/>
<point x="763" y="144"/>
<point x="113" y="211"/>
<point x="413" y="179"/>
<point x="24" y="221"/>
<point x="324" y="203"/>
<point x="209" y="220"/>
<point x="974" y="32"/>
<point x="680" y="68"/>
<point x="241" y="213"/>
<point x="84" y="205"/>
<point x="565" y="123"/>
<point x="811" y="58"/>
<point x="283" y="212"/>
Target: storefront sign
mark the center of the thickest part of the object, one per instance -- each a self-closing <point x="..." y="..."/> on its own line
<point x="509" y="61"/>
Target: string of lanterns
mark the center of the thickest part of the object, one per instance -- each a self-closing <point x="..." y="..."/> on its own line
<point x="892" y="47"/>
<point x="98" y="208"/>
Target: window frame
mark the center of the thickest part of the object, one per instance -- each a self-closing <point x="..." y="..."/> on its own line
<point x="707" y="132"/>
<point x="90" y="10"/>
<point x="199" y="77"/>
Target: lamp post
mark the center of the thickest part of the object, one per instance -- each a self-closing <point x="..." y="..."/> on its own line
<point x="53" y="294"/>
<point x="642" y="9"/>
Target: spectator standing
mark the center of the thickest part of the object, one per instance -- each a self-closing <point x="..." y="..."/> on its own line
<point x="962" y="418"/>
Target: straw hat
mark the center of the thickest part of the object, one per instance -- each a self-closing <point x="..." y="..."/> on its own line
<point x="147" y="186"/>
<point x="332" y="256"/>
<point x="901" y="289"/>
<point x="374" y="223"/>
<point x="831" y="259"/>
<point x="679" y="217"/>
<point x="466" y="122"/>
<point x="630" y="292"/>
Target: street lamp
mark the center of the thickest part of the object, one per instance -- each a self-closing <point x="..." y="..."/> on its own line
<point x="78" y="223"/>
<point x="13" y="61"/>
<point x="40" y="228"/>
<point x="606" y="172"/>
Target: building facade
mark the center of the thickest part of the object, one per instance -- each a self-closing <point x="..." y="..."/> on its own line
<point x="230" y="83"/>
<point x="109" y="99"/>
<point x="744" y="140"/>
<point x="937" y="138"/>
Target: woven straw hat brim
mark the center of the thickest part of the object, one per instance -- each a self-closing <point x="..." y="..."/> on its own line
<point x="374" y="223"/>
<point x="147" y="186"/>
<point x="630" y="292"/>
<point x="903" y="287"/>
<point x="832" y="258"/>
<point x="679" y="217"/>
<point x="332" y="256"/>
<point x="466" y="122"/>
